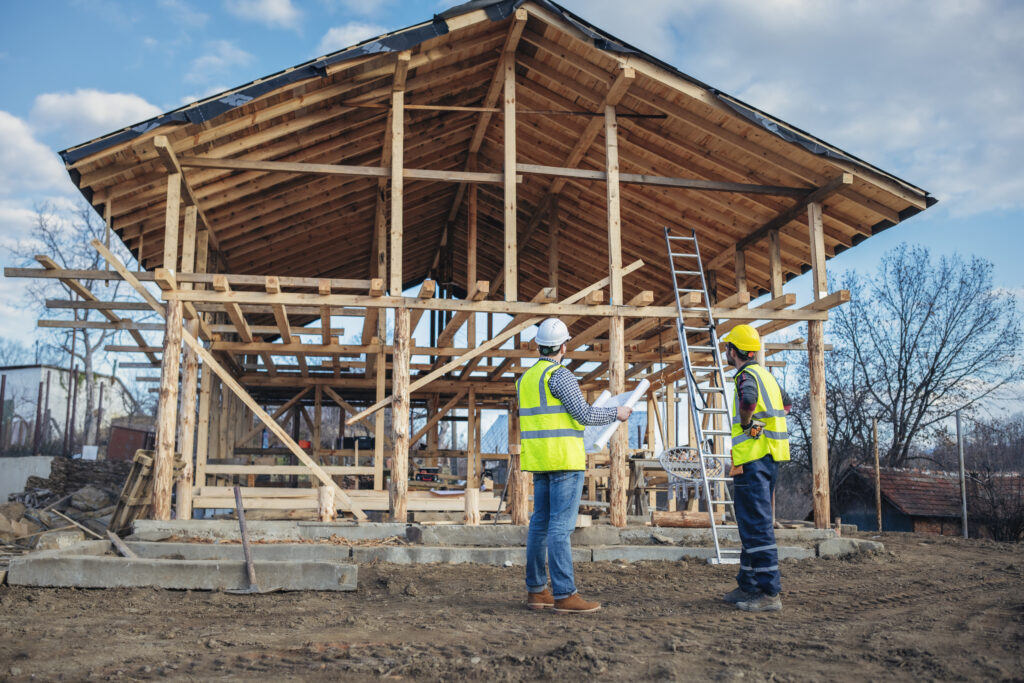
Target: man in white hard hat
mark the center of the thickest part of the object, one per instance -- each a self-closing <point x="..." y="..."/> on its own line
<point x="552" y="414"/>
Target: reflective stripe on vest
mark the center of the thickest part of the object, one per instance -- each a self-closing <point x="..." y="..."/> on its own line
<point x="774" y="439"/>
<point x="550" y="438"/>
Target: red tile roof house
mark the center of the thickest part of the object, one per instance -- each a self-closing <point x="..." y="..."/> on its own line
<point x="919" y="500"/>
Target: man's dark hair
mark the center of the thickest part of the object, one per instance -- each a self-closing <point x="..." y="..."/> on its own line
<point x="747" y="355"/>
<point x="550" y="350"/>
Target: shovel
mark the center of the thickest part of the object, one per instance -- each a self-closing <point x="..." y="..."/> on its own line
<point x="249" y="568"/>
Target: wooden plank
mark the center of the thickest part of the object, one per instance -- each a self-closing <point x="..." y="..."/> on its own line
<point x="661" y="181"/>
<point x="397" y="190"/>
<point x="343" y="170"/>
<point x="511" y="261"/>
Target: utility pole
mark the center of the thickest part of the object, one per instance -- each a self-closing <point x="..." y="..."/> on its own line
<point x="963" y="478"/>
<point x="878" y="477"/>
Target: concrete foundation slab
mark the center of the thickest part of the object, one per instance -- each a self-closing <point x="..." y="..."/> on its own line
<point x="261" y="530"/>
<point x="86" y="566"/>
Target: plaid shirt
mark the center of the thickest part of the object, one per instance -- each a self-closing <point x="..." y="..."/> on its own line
<point x="565" y="387"/>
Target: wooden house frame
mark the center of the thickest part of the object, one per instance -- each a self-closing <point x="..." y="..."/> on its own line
<point x="504" y="158"/>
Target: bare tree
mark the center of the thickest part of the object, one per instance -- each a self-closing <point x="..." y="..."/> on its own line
<point x="66" y="239"/>
<point x="13" y="352"/>
<point x="919" y="339"/>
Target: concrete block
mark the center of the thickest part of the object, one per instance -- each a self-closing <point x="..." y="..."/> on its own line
<point x="85" y="571"/>
<point x="484" y="535"/>
<point x="642" y="553"/>
<point x="837" y="547"/>
<point x="277" y="552"/>
<point x="599" y="534"/>
<point x="261" y="530"/>
<point x="450" y="555"/>
<point x="788" y="552"/>
<point x="55" y="540"/>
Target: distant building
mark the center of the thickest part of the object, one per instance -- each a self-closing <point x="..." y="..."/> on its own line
<point x="23" y="401"/>
<point x="912" y="500"/>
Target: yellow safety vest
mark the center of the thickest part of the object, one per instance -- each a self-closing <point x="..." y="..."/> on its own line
<point x="550" y="438"/>
<point x="775" y="437"/>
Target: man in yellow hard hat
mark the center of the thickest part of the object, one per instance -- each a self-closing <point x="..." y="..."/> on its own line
<point x="760" y="441"/>
<point x="552" y="413"/>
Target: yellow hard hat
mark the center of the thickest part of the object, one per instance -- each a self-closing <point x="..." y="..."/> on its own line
<point x="744" y="338"/>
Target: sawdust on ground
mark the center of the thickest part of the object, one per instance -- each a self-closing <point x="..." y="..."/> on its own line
<point x="927" y="608"/>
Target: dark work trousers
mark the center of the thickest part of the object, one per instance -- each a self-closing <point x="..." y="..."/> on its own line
<point x="759" y="560"/>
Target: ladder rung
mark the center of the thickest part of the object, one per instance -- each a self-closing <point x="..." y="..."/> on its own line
<point x="691" y="328"/>
<point x="701" y="348"/>
<point x="717" y="390"/>
<point x="717" y="411"/>
<point x="718" y="432"/>
<point x="686" y="289"/>
<point x="686" y="272"/>
<point x="683" y="255"/>
<point x="673" y="237"/>
<point x="721" y="502"/>
<point x="719" y="478"/>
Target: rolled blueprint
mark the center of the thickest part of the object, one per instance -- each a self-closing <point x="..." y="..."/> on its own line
<point x="602" y="399"/>
<point x="634" y="396"/>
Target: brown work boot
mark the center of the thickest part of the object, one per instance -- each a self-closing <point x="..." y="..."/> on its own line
<point x="574" y="604"/>
<point x="541" y="600"/>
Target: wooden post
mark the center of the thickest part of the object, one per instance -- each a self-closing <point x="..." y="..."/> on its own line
<point x="434" y="406"/>
<point x="554" y="228"/>
<point x="518" y="507"/>
<point x="511" y="222"/>
<point x="203" y="428"/>
<point x="619" y="443"/>
<point x="816" y="366"/>
<point x="400" y="419"/>
<point x="775" y="263"/>
<point x="167" y="413"/>
<point x="472" y="495"/>
<point x="878" y="475"/>
<point x="471" y="250"/>
<point x="741" y="271"/>
<point x="397" y="189"/>
<point x="189" y="378"/>
<point x="378" y="429"/>
<point x="327" y="509"/>
<point x="318" y="414"/>
<point x="171" y="219"/>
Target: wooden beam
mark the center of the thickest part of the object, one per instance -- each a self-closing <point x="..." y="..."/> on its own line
<point x="792" y="213"/>
<point x="661" y="181"/>
<point x="397" y="189"/>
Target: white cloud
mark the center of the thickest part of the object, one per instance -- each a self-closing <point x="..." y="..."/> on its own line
<point x="184" y="14"/>
<point x="273" y="13"/>
<point x="207" y="92"/>
<point x="75" y="117"/>
<point x="221" y="57"/>
<point x="364" y="8"/>
<point x="347" y="35"/>
<point x="27" y="166"/>
<point x="928" y="92"/>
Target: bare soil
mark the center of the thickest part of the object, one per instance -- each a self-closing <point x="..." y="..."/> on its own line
<point x="929" y="608"/>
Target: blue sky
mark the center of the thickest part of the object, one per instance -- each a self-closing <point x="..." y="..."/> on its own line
<point x="931" y="91"/>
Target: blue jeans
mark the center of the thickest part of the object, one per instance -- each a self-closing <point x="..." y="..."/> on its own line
<point x="759" y="559"/>
<point x="556" y="502"/>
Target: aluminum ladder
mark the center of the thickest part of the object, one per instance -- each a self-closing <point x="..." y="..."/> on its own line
<point x="705" y="388"/>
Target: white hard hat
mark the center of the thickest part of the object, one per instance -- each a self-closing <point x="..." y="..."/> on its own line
<point x="552" y="332"/>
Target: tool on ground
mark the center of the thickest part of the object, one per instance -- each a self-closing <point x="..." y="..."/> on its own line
<point x="705" y="388"/>
<point x="250" y="569"/>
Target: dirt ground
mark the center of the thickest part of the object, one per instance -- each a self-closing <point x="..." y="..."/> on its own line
<point x="927" y="608"/>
